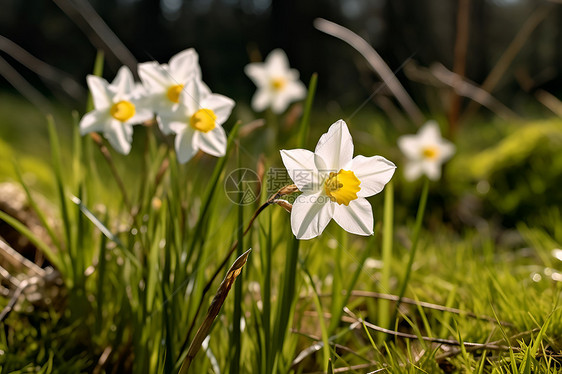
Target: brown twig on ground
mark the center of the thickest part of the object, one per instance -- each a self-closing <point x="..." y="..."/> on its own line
<point x="320" y="344"/>
<point x="376" y="62"/>
<point x="423" y="304"/>
<point x="469" y="349"/>
<point x="495" y="347"/>
<point x="14" y="258"/>
<point x="36" y="280"/>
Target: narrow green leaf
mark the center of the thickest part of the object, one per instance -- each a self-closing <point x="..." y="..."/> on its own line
<point x="387" y="244"/>
<point x="305" y="120"/>
<point x="104" y="230"/>
<point x="98" y="71"/>
<point x="41" y="245"/>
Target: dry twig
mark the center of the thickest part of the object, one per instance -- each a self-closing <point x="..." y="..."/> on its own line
<point x="214" y="309"/>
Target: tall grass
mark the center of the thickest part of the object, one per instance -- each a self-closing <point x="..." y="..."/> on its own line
<point x="141" y="260"/>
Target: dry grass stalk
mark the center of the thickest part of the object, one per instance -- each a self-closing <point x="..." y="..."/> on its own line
<point x="376" y="62"/>
<point x="214" y="309"/>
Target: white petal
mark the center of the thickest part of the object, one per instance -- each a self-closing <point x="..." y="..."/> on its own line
<point x="279" y="103"/>
<point x="432" y="169"/>
<point x="356" y="218"/>
<point x="257" y="73"/>
<point x="153" y="77"/>
<point x="296" y="90"/>
<point x="185" y="65"/>
<point x="410" y="146"/>
<point x="447" y="150"/>
<point x="178" y="127"/>
<point x="212" y="142"/>
<point x="413" y="170"/>
<point x="277" y="63"/>
<point x="119" y="136"/>
<point x="261" y="100"/>
<point x="336" y="146"/>
<point x="167" y="119"/>
<point x="293" y="75"/>
<point x="220" y="105"/>
<point x="184" y="144"/>
<point x="194" y="92"/>
<point x="94" y="121"/>
<point x="141" y="115"/>
<point x="373" y="173"/>
<point x="310" y="215"/>
<point x="302" y="169"/>
<point x="101" y="95"/>
<point x="124" y="83"/>
<point x="429" y="133"/>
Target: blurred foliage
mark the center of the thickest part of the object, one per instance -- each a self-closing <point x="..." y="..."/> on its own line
<point x="520" y="175"/>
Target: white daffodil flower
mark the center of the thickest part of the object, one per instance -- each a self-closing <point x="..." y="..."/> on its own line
<point x="165" y="82"/>
<point x="118" y="107"/>
<point x="197" y="121"/>
<point x="278" y="85"/>
<point x="334" y="184"/>
<point x="426" y="152"/>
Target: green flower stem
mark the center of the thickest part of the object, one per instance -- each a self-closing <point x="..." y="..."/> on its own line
<point x="417" y="228"/>
<point x="236" y="339"/>
<point x="387" y="243"/>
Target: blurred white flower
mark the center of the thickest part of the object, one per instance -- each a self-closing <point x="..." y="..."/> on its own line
<point x="118" y="107"/>
<point x="278" y="85"/>
<point x="334" y="184"/>
<point x="426" y="152"/>
<point x="197" y="120"/>
<point x="164" y="83"/>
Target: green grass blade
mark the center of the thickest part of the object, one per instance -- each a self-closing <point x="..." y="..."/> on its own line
<point x="41" y="245"/>
<point x="387" y="243"/>
<point x="33" y="204"/>
<point x="417" y="229"/>
<point x="210" y="191"/>
<point x="98" y="71"/>
<point x="104" y="230"/>
<point x="320" y="311"/>
<point x="60" y="186"/>
<point x="305" y="120"/>
<point x="236" y="339"/>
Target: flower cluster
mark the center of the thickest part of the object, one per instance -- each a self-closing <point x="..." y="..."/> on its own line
<point x="333" y="183"/>
<point x="183" y="104"/>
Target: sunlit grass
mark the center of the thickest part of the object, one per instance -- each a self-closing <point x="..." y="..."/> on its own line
<point x="134" y="278"/>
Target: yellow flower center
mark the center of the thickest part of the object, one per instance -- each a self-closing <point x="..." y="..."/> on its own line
<point x="203" y="120"/>
<point x="430" y="152"/>
<point x="278" y="83"/>
<point x="122" y="110"/>
<point x="174" y="93"/>
<point x="342" y="187"/>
